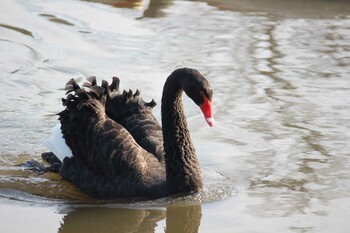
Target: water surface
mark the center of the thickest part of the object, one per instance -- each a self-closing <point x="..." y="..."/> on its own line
<point x="278" y="158"/>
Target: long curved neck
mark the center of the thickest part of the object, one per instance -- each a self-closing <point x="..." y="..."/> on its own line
<point x="182" y="167"/>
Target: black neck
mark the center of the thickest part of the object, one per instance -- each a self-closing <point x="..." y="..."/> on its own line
<point x="182" y="167"/>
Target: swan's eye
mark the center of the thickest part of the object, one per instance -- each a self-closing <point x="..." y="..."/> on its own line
<point x="201" y="93"/>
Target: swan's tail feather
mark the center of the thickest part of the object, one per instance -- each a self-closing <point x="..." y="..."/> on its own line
<point x="92" y="80"/>
<point x="82" y="97"/>
<point x="108" y="91"/>
<point x="137" y="93"/>
<point x="115" y="84"/>
<point x="151" y="104"/>
<point x="127" y="96"/>
<point x="71" y="85"/>
<point x="97" y="90"/>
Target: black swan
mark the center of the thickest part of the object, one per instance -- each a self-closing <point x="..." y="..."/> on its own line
<point x="104" y="158"/>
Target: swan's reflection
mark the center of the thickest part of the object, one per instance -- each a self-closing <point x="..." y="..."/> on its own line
<point x="183" y="219"/>
<point x="154" y="8"/>
<point x="121" y="3"/>
<point x="104" y="219"/>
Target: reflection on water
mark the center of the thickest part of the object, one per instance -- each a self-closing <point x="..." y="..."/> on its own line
<point x="106" y="219"/>
<point x="151" y="8"/>
<point x="137" y="4"/>
<point x="155" y="8"/>
<point x="318" y="9"/>
<point x="183" y="219"/>
<point x="110" y="220"/>
<point x="279" y="154"/>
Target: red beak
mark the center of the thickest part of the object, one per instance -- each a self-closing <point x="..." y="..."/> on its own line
<point x="207" y="111"/>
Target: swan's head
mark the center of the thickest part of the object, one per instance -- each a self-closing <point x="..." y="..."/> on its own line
<point x="199" y="90"/>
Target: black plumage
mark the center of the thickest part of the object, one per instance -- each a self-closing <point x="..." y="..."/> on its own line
<point x="117" y="144"/>
<point x="135" y="115"/>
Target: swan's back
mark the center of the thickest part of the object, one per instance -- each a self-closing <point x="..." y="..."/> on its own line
<point x="135" y="115"/>
<point x="107" y="161"/>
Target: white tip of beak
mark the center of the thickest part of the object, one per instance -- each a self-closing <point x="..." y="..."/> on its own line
<point x="210" y="121"/>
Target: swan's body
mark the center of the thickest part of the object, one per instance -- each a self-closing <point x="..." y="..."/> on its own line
<point x="135" y="115"/>
<point x="111" y="146"/>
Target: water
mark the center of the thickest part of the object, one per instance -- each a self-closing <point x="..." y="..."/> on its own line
<point x="278" y="158"/>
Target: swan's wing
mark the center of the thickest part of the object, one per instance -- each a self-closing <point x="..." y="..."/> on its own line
<point x="135" y="115"/>
<point x="102" y="148"/>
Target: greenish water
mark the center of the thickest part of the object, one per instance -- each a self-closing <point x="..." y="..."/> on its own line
<point x="278" y="158"/>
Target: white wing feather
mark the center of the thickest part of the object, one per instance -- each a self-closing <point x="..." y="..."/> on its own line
<point x="57" y="144"/>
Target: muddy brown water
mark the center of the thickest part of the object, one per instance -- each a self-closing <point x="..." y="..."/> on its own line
<point x="278" y="158"/>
